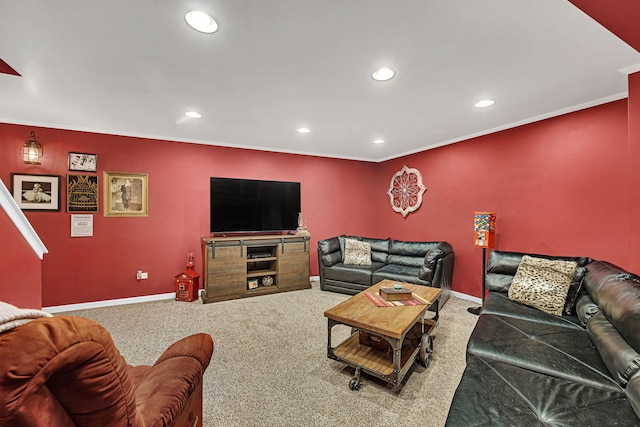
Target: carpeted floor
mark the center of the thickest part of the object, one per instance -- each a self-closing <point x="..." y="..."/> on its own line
<point x="269" y="365"/>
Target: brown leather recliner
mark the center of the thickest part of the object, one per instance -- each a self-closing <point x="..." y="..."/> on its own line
<point x="66" y="371"/>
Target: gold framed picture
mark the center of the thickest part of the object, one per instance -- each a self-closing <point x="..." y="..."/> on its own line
<point x="82" y="193"/>
<point x="126" y="194"/>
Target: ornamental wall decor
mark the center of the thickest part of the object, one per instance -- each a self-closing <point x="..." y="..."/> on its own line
<point x="405" y="191"/>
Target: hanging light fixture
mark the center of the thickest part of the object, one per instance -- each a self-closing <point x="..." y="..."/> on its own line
<point x="31" y="150"/>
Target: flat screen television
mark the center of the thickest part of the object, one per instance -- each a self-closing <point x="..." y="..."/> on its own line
<point x="253" y="206"/>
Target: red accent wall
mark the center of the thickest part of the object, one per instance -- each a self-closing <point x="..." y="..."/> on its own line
<point x="336" y="195"/>
<point x="20" y="268"/>
<point x="634" y="171"/>
<point x="559" y="186"/>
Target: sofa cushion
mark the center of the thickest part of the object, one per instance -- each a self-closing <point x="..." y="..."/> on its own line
<point x="575" y="289"/>
<point x="492" y="393"/>
<point x="409" y="261"/>
<point x="498" y="282"/>
<point x="378" y="245"/>
<point x="502" y="266"/>
<point x="357" y="252"/>
<point x="344" y="287"/>
<point x="401" y="273"/>
<point x="360" y="274"/>
<point x="379" y="256"/>
<point x="328" y="246"/>
<point x="331" y="259"/>
<point x="562" y="351"/>
<point x="415" y="249"/>
<point x="622" y="360"/>
<point x="542" y="283"/>
<point x="499" y="303"/>
<point x="379" y="249"/>
<point x="586" y="308"/>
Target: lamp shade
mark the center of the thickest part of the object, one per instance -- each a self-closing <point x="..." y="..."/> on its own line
<point x="484" y="229"/>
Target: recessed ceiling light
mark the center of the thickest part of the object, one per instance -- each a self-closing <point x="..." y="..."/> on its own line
<point x="200" y="21"/>
<point x="485" y="103"/>
<point x="193" y="114"/>
<point x="304" y="130"/>
<point x="378" y="141"/>
<point x="383" y="74"/>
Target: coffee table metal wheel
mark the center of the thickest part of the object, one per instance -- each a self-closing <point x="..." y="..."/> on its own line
<point x="426" y="350"/>
<point x="354" y="384"/>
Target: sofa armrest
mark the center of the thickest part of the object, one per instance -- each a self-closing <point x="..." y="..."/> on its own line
<point x="431" y="258"/>
<point x="197" y="346"/>
<point x="329" y="252"/>
<point x="166" y="386"/>
<point x="621" y="359"/>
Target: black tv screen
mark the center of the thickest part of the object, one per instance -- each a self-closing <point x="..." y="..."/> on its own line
<point x="247" y="205"/>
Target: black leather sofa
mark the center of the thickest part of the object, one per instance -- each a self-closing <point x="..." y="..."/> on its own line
<point x="423" y="263"/>
<point x="529" y="368"/>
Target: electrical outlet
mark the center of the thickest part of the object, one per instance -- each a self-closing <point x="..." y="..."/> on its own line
<point x="140" y="275"/>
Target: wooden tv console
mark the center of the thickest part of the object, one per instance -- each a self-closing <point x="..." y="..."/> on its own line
<point x="240" y="267"/>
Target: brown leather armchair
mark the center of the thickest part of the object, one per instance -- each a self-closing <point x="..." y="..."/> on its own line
<point x="66" y="371"/>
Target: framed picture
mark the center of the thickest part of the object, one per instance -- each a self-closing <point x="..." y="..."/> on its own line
<point x="82" y="193"/>
<point x="83" y="162"/>
<point x="36" y="192"/>
<point x="125" y="194"/>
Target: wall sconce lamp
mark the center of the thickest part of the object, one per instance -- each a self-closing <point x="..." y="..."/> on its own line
<point x="31" y="150"/>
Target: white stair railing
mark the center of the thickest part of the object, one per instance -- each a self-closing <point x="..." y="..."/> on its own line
<point x="20" y="221"/>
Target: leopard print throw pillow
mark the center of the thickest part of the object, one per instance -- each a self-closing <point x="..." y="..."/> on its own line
<point x="542" y="283"/>
<point x="357" y="252"/>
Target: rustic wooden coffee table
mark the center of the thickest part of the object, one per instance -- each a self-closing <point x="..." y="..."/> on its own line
<point x="392" y="324"/>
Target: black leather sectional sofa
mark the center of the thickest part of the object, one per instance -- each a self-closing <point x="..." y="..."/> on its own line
<point x="423" y="263"/>
<point x="529" y="368"/>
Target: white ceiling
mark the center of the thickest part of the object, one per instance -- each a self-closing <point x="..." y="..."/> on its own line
<point x="134" y="67"/>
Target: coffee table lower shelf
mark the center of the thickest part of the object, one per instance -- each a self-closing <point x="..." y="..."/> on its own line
<point x="368" y="358"/>
<point x="380" y="364"/>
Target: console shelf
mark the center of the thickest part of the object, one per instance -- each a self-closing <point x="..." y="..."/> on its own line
<point x="261" y="273"/>
<point x="238" y="267"/>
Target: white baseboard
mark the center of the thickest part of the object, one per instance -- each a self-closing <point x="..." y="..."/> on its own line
<point x="172" y="295"/>
<point x="108" y="303"/>
<point x="467" y="297"/>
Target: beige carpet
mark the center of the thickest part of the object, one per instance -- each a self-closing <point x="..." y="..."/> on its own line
<point x="269" y="366"/>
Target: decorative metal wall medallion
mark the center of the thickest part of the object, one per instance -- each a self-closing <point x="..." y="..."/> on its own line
<point x="405" y="191"/>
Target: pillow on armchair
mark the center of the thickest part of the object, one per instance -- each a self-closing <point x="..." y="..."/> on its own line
<point x="542" y="283"/>
<point x="357" y="252"/>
